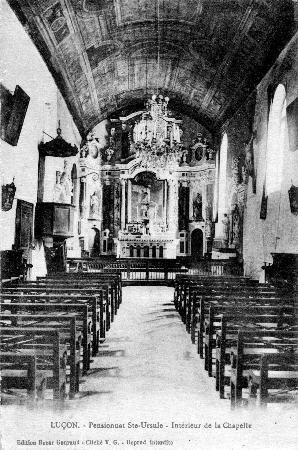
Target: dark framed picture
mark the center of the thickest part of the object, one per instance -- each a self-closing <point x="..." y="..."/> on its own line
<point x="24" y="224"/>
<point x="13" y="112"/>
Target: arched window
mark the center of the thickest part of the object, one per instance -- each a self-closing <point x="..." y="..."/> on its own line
<point x="131" y="251"/>
<point x="277" y="135"/>
<point x="154" y="251"/>
<point x="146" y="251"/>
<point x="161" y="251"/>
<point x="222" y="180"/>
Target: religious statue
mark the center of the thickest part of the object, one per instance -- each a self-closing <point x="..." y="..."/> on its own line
<point x="57" y="188"/>
<point x="94" y="205"/>
<point x="211" y="153"/>
<point x="145" y="199"/>
<point x="197" y="208"/>
<point x="91" y="149"/>
<point x="249" y="158"/>
<point x="125" y="141"/>
<point x="226" y="229"/>
<point x="236" y="226"/>
<point x="63" y="186"/>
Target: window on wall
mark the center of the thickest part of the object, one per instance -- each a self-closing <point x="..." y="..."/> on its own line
<point x="222" y="180"/>
<point x="277" y="141"/>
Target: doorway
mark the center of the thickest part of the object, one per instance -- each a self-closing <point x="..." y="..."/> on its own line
<point x="197" y="244"/>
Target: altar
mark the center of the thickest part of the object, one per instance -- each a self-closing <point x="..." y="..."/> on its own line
<point x="156" y="192"/>
<point x="134" y="245"/>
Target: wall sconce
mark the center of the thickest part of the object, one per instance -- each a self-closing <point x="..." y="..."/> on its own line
<point x="8" y="193"/>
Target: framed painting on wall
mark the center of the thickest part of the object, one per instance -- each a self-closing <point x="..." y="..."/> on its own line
<point x="24" y="224"/>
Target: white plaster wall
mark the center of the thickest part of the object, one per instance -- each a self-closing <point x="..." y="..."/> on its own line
<point x="21" y="64"/>
<point x="279" y="232"/>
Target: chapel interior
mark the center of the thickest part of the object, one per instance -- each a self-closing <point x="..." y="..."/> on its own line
<point x="147" y="141"/>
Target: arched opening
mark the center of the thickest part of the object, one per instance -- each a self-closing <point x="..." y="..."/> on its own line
<point x="131" y="251"/>
<point x="82" y="198"/>
<point x="197" y="244"/>
<point x="138" y="251"/>
<point x="95" y="245"/>
<point x="161" y="251"/>
<point x="277" y="135"/>
<point x="154" y="251"/>
<point x="146" y="251"/>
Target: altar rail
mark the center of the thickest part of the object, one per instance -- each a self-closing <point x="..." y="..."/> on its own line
<point x="160" y="271"/>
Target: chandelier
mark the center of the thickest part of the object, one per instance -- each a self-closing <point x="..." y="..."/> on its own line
<point x="157" y="136"/>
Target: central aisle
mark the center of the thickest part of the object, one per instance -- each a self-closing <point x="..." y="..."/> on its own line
<point x="147" y="372"/>
<point x="148" y="362"/>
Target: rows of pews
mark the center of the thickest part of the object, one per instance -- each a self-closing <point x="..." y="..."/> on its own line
<point x="247" y="334"/>
<point x="50" y="330"/>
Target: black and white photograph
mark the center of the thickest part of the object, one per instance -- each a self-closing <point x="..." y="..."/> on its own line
<point x="149" y="224"/>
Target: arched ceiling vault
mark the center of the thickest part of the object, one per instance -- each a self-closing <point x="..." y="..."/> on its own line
<point x="104" y="53"/>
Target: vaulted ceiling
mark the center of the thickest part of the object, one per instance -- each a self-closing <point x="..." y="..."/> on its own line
<point x="206" y="55"/>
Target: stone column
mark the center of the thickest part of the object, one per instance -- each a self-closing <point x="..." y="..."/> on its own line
<point x="165" y="205"/>
<point x="173" y="206"/>
<point x="123" y="205"/>
<point x="191" y="189"/>
<point x="129" y="201"/>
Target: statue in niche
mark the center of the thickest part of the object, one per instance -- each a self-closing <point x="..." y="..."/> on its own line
<point x="145" y="203"/>
<point x="226" y="229"/>
<point x="125" y="141"/>
<point x="235" y="238"/>
<point x="197" y="208"/>
<point x="208" y="224"/>
<point x="249" y="158"/>
<point x="94" y="205"/>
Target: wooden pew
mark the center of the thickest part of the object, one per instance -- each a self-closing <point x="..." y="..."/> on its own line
<point x="245" y="357"/>
<point x="112" y="278"/>
<point x="111" y="284"/>
<point x="201" y="308"/>
<point x="227" y="335"/>
<point x="45" y="344"/>
<point x="254" y="314"/>
<point x="99" y="309"/>
<point x="183" y="282"/>
<point x="75" y="298"/>
<point x="206" y="286"/>
<point x="197" y="294"/>
<point x="18" y="371"/>
<point x="276" y="380"/>
<point x="69" y="335"/>
<point x="35" y="304"/>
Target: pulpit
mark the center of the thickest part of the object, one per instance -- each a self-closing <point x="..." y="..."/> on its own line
<point x="54" y="220"/>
